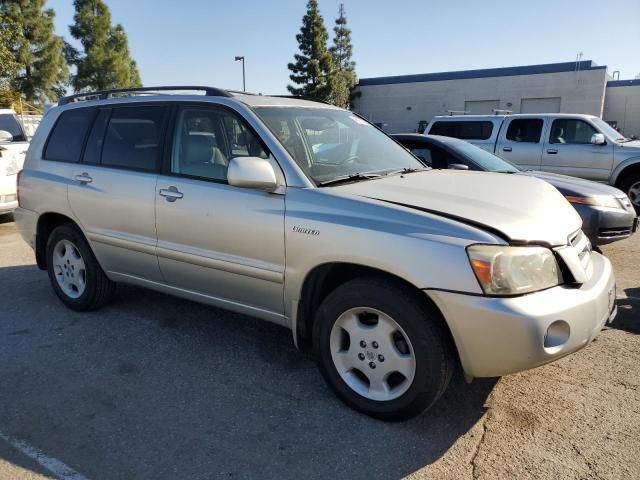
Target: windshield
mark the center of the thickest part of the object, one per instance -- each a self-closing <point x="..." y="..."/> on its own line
<point x="608" y="130"/>
<point x="329" y="144"/>
<point x="9" y="123"/>
<point x="485" y="160"/>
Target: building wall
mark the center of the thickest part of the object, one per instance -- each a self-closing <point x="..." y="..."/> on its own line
<point x="622" y="106"/>
<point x="400" y="106"/>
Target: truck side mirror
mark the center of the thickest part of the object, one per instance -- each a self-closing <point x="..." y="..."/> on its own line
<point x="5" y="136"/>
<point x="598" y="139"/>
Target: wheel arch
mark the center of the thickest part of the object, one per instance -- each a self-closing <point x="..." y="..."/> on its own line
<point x="628" y="166"/>
<point x="325" y="278"/>
<point x="47" y="223"/>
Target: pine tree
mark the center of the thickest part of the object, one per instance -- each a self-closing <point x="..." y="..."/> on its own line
<point x="105" y="61"/>
<point x="344" y="77"/>
<point x="311" y="71"/>
<point x="42" y="71"/>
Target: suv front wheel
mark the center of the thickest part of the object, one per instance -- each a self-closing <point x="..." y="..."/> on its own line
<point x="381" y="349"/>
<point x="74" y="272"/>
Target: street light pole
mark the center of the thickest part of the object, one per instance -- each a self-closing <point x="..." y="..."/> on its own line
<point x="244" y="85"/>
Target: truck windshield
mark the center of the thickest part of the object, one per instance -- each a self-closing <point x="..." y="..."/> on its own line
<point x="608" y="130"/>
<point x="329" y="144"/>
<point x="485" y="160"/>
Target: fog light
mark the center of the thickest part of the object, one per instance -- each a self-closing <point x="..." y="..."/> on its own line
<point x="556" y="336"/>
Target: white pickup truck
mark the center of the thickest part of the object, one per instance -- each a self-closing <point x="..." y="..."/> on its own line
<point x="582" y="146"/>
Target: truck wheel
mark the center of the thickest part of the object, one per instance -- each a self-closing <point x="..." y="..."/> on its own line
<point x="630" y="185"/>
<point x="382" y="350"/>
<point x="74" y="272"/>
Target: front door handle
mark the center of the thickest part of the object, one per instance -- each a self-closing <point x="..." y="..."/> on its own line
<point x="506" y="149"/>
<point x="552" y="151"/>
<point x="171" y="194"/>
<point x="83" y="178"/>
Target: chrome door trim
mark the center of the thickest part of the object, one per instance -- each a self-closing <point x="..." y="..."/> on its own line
<point x="130" y="242"/>
<point x="225" y="263"/>
<point x="250" y="310"/>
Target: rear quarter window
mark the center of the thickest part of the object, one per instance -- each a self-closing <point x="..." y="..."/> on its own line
<point x="465" y="130"/>
<point x="67" y="137"/>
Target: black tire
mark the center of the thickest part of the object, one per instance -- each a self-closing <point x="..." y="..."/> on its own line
<point x="626" y="183"/>
<point x="423" y="324"/>
<point x="98" y="288"/>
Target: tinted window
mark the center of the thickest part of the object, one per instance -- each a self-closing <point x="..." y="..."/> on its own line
<point x="133" y="138"/>
<point x="206" y="139"/>
<point x="571" y="131"/>
<point x="9" y="123"/>
<point x="67" y="138"/>
<point x="525" y="130"/>
<point x="96" y="138"/>
<point x="423" y="154"/>
<point x="466" y="130"/>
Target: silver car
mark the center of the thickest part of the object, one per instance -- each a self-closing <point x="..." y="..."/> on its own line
<point x="308" y="216"/>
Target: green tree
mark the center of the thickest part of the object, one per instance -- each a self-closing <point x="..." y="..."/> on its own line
<point x="105" y="61"/>
<point x="311" y="71"/>
<point x="344" y="76"/>
<point x="42" y="71"/>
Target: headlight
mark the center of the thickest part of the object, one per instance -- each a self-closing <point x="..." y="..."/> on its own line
<point x="505" y="270"/>
<point x="595" y="201"/>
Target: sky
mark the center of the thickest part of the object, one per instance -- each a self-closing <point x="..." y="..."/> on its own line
<point x="194" y="42"/>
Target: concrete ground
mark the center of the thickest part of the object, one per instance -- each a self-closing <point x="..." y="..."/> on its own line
<point x="153" y="387"/>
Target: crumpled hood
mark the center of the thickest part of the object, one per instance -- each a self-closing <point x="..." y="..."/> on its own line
<point x="521" y="208"/>
<point x="575" y="186"/>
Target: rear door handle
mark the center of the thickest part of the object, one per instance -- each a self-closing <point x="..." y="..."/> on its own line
<point x="552" y="151"/>
<point x="171" y="194"/>
<point x="83" y="178"/>
<point x="506" y="149"/>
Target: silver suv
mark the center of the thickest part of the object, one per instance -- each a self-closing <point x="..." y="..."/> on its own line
<point x="308" y="216"/>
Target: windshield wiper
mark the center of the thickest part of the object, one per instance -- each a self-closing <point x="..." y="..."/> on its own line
<point x="623" y="140"/>
<point x="354" y="177"/>
<point x="407" y="170"/>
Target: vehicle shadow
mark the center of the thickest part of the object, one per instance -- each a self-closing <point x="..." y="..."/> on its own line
<point x="6" y="218"/>
<point x="628" y="312"/>
<point x="157" y="387"/>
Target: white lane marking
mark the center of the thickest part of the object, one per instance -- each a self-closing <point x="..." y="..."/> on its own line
<point x="55" y="466"/>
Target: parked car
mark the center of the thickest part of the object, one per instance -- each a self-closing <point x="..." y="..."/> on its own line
<point x="13" y="147"/>
<point x="582" y="146"/>
<point x="308" y="216"/>
<point x="606" y="212"/>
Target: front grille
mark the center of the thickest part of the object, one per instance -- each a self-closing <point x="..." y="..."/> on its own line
<point x="582" y="246"/>
<point x="614" y="232"/>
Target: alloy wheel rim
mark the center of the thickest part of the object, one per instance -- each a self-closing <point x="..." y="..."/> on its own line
<point x="69" y="269"/>
<point x="634" y="194"/>
<point x="372" y="354"/>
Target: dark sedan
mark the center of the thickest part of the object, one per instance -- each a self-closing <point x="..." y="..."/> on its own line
<point x="607" y="214"/>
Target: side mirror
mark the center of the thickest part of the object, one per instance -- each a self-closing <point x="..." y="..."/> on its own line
<point x="598" y="139"/>
<point x="252" y="172"/>
<point x="5" y="136"/>
<point x="458" y="166"/>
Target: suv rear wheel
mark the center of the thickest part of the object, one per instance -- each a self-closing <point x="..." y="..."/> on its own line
<point x="382" y="350"/>
<point x="74" y="272"/>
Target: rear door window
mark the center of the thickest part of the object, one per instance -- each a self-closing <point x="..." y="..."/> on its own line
<point x="465" y="130"/>
<point x="68" y="135"/>
<point x="134" y="137"/>
<point x="525" y="130"/>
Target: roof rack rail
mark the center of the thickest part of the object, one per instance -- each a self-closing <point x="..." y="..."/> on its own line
<point x="104" y="94"/>
<point x="309" y="98"/>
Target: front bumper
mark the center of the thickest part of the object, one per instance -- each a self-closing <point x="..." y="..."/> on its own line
<point x="606" y="225"/>
<point x="499" y="336"/>
<point x="8" y="197"/>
